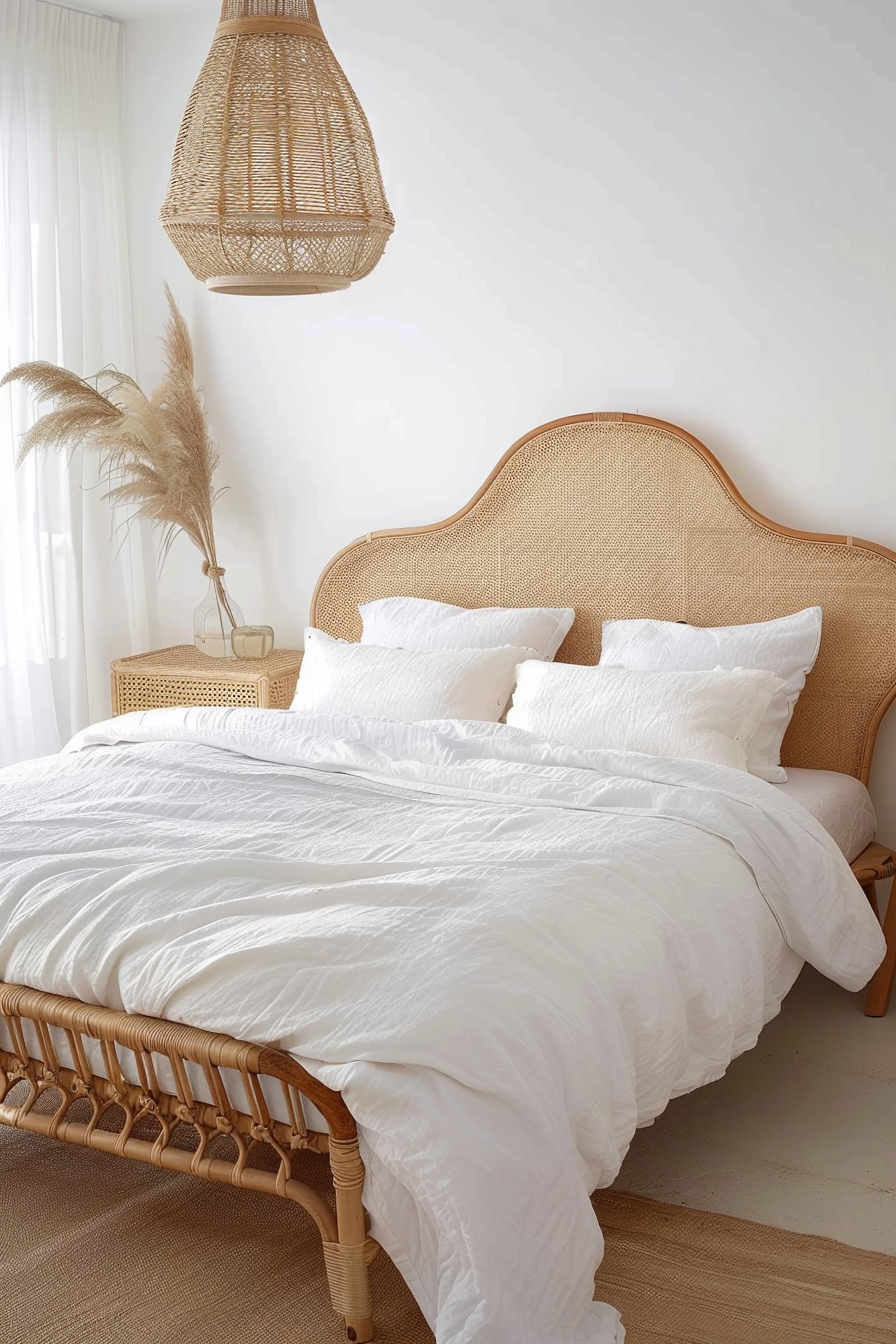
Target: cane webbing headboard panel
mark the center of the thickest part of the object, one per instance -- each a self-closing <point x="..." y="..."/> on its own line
<point x="625" y="516"/>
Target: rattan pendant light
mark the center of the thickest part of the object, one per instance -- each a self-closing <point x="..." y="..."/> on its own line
<point x="275" y="185"/>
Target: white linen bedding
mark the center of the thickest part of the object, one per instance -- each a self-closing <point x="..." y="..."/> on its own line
<point x="507" y="955"/>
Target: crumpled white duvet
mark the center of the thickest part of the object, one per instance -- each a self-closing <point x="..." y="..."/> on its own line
<point x="507" y="955"/>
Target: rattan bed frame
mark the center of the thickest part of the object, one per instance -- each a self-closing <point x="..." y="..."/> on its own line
<point x="616" y="515"/>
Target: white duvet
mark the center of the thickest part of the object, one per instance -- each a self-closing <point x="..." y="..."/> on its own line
<point x="507" y="955"/>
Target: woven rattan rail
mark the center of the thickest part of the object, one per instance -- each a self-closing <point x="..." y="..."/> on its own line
<point x="91" y="1076"/>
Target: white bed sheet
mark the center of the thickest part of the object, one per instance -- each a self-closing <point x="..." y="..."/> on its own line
<point x="840" y="802"/>
<point x="507" y="955"/>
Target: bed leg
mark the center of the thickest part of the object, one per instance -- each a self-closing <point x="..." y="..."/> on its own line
<point x="870" y="890"/>
<point x="348" y="1260"/>
<point x="881" y="986"/>
<point x="357" y="1329"/>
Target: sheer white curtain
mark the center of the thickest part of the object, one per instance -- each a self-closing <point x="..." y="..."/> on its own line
<point x="68" y="603"/>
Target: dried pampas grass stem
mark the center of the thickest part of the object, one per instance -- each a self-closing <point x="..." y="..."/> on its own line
<point x="158" y="449"/>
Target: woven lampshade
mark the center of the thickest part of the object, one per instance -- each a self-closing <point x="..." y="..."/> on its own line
<point x="275" y="185"/>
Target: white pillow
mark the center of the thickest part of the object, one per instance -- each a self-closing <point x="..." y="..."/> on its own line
<point x="700" y="716"/>
<point x="378" y="683"/>
<point x="788" y="647"/>
<point x="416" y="623"/>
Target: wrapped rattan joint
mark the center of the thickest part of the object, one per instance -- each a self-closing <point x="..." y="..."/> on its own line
<point x="275" y="186"/>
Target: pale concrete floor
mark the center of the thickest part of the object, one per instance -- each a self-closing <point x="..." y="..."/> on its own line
<point x="800" y="1133"/>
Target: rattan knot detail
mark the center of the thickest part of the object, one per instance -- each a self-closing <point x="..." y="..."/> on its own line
<point x="348" y="1279"/>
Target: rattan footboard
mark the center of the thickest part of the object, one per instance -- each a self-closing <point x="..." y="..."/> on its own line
<point x="91" y="1076"/>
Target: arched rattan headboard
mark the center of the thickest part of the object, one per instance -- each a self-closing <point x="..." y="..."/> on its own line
<point x="625" y="516"/>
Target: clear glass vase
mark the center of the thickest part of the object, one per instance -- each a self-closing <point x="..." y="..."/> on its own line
<point x="215" y="618"/>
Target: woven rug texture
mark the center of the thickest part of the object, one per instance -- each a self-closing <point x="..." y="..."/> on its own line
<point x="95" y="1250"/>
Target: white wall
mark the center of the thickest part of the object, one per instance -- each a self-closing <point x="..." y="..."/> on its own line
<point x="684" y="209"/>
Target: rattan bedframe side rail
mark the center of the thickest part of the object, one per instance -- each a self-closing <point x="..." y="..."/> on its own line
<point x="98" y="1078"/>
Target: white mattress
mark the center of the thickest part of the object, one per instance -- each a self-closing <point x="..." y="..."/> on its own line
<point x="840" y="802"/>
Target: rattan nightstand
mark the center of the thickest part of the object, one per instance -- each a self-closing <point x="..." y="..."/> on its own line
<point x="184" y="676"/>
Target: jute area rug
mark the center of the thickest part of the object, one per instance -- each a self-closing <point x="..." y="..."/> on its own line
<point x="97" y="1251"/>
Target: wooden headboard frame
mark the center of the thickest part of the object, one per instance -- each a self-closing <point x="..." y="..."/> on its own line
<point x="625" y="516"/>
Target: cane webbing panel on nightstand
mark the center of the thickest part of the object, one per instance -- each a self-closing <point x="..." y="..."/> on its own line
<point x="184" y="676"/>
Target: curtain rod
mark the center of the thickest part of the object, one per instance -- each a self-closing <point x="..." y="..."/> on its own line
<point x="76" y="9"/>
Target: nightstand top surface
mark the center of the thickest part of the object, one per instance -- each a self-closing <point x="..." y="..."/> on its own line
<point x="188" y="659"/>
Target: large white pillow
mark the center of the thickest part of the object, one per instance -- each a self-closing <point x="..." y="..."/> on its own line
<point x="701" y="716"/>
<point x="403" y="684"/>
<point x="788" y="647"/>
<point x="417" y="623"/>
